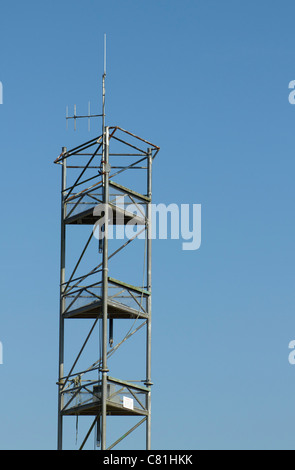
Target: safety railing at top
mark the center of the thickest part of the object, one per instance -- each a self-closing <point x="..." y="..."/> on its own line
<point x="85" y="161"/>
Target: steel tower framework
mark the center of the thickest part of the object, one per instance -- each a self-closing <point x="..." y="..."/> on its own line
<point x="98" y="194"/>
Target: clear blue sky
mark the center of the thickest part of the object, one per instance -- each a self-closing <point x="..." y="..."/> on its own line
<point x="207" y="81"/>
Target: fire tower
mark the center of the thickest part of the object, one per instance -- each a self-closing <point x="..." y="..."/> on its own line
<point x="106" y="285"/>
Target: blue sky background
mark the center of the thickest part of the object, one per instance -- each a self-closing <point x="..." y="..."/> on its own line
<point x="207" y="81"/>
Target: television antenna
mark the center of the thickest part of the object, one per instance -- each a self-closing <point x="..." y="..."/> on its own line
<point x="89" y="116"/>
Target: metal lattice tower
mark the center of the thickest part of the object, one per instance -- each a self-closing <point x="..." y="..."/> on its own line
<point x="106" y="189"/>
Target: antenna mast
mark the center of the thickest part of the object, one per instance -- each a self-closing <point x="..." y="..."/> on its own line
<point x="75" y="116"/>
<point x="103" y="81"/>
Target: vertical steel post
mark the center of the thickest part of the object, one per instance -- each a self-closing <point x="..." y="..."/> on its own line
<point x="62" y="301"/>
<point x="149" y="301"/>
<point x="104" y="369"/>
